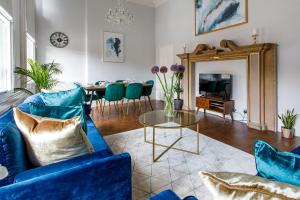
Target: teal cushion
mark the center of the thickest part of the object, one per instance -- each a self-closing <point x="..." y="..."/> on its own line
<point x="59" y="112"/>
<point x="277" y="165"/>
<point x="65" y="98"/>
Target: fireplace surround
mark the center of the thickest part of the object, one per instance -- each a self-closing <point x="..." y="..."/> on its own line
<point x="261" y="78"/>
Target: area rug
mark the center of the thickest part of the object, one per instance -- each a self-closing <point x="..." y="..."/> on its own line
<point x="177" y="170"/>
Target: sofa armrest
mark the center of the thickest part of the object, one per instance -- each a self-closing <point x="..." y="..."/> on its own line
<point x="296" y="151"/>
<point x="91" y="178"/>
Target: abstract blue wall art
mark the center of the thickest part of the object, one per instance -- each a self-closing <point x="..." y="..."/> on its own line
<point x="113" y="47"/>
<point x="212" y="15"/>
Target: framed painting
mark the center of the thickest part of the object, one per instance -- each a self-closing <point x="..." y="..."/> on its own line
<point x="213" y="15"/>
<point x="113" y="47"/>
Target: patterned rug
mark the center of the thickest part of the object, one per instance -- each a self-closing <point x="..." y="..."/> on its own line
<point x="177" y="170"/>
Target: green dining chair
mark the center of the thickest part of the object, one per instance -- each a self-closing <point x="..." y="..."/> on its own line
<point x="147" y="91"/>
<point x="120" y="81"/>
<point x="114" y="93"/>
<point x="100" y="93"/>
<point x="87" y="96"/>
<point x="134" y="92"/>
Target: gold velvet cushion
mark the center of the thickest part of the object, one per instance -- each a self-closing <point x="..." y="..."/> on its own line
<point x="226" y="185"/>
<point x="51" y="140"/>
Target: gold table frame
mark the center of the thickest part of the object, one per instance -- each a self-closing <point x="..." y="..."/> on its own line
<point x="171" y="146"/>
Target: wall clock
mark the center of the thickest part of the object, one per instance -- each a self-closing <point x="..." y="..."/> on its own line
<point x="59" y="40"/>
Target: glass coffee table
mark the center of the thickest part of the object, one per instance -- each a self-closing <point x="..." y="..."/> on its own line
<point x="158" y="120"/>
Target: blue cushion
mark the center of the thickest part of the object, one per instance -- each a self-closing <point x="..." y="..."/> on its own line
<point x="12" y="152"/>
<point x="277" y="165"/>
<point x="165" y="195"/>
<point x="7" y="117"/>
<point x="296" y="151"/>
<point x="59" y="112"/>
<point x="65" y="98"/>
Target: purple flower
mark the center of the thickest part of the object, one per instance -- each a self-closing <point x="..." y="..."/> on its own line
<point x="155" y="69"/>
<point x="181" y="68"/>
<point x="174" y="68"/>
<point x="163" y="69"/>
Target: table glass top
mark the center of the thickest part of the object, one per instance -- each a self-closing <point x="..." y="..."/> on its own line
<point x="158" y="119"/>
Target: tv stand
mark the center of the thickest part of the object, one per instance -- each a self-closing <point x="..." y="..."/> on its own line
<point x="225" y="107"/>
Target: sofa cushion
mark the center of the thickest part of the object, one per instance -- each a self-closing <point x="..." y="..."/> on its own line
<point x="230" y="186"/>
<point x="59" y="112"/>
<point x="12" y="152"/>
<point x="52" y="140"/>
<point x="277" y="165"/>
<point x="7" y="116"/>
<point x="65" y="98"/>
<point x="165" y="195"/>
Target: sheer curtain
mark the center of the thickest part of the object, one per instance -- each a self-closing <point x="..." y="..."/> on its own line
<point x="5" y="52"/>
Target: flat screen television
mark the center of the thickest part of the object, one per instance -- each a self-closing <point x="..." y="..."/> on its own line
<point x="216" y="85"/>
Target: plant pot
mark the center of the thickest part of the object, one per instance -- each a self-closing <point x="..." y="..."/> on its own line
<point x="287" y="133"/>
<point x="178" y="104"/>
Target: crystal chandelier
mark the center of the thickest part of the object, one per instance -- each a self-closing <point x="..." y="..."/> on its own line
<point x="119" y="15"/>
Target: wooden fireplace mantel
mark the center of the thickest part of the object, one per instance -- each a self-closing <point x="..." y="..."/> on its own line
<point x="261" y="77"/>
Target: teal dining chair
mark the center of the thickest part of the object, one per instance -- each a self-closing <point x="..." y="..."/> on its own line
<point x="120" y="81"/>
<point x="134" y="92"/>
<point x="100" y="94"/>
<point x="114" y="93"/>
<point x="147" y="91"/>
<point x="87" y="96"/>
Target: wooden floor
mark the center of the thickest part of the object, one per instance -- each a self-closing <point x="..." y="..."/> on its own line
<point x="235" y="133"/>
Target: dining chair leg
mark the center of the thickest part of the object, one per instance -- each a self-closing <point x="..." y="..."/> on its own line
<point x="103" y="108"/>
<point x="140" y="106"/>
<point x="134" y="104"/>
<point x="150" y="102"/>
<point x="109" y="108"/>
<point x="116" y="106"/>
<point x="145" y="101"/>
<point x="128" y="106"/>
<point x="122" y="106"/>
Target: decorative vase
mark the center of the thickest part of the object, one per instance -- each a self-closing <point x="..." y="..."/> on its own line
<point x="287" y="133"/>
<point x="169" y="106"/>
<point x="178" y="104"/>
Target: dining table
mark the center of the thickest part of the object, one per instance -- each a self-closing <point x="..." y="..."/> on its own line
<point x="92" y="89"/>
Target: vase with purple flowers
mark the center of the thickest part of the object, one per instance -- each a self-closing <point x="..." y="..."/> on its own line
<point x="168" y="87"/>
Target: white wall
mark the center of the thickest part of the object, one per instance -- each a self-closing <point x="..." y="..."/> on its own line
<point x="238" y="70"/>
<point x="67" y="16"/>
<point x="83" y="21"/>
<point x="276" y="21"/>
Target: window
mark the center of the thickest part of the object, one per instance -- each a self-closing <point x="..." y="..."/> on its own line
<point x="30" y="48"/>
<point x="5" y="51"/>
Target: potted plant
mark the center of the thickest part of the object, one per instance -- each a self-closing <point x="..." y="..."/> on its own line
<point x="178" y="102"/>
<point x="288" y="120"/>
<point x="41" y="74"/>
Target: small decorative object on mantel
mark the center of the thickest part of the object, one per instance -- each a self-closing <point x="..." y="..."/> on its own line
<point x="113" y="47"/>
<point x="59" y="40"/>
<point x="254" y="35"/>
<point x="288" y="120"/>
<point x="217" y="15"/>
<point x="168" y="89"/>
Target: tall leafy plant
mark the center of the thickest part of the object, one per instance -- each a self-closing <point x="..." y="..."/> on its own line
<point x="41" y="74"/>
<point x="288" y="119"/>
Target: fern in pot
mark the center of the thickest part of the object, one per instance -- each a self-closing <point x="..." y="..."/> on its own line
<point x="288" y="120"/>
<point x="42" y="75"/>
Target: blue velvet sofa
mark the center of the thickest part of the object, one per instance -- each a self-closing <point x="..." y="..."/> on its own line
<point x="101" y="175"/>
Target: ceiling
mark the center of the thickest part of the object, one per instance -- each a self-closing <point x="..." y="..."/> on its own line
<point x="151" y="3"/>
